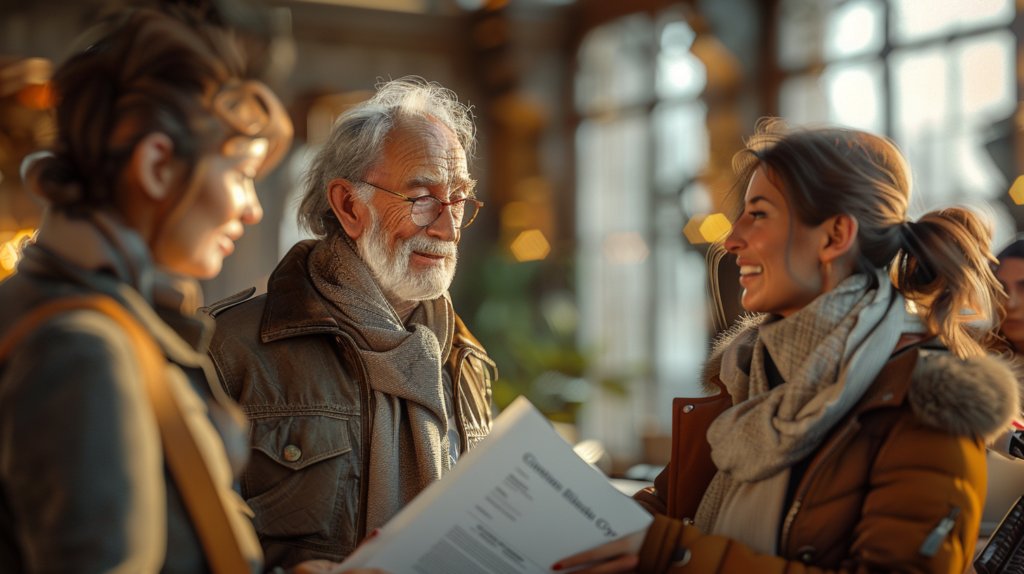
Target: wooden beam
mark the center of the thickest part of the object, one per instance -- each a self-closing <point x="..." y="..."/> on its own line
<point x="369" y="28"/>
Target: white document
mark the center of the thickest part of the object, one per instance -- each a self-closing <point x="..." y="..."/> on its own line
<point x="517" y="503"/>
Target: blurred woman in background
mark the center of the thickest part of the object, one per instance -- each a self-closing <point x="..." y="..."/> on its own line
<point x="1005" y="464"/>
<point x="856" y="439"/>
<point x="1010" y="274"/>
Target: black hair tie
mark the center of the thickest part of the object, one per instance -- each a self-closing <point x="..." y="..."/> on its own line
<point x="910" y="243"/>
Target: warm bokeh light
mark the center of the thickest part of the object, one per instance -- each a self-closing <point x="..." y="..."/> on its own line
<point x="1017" y="191"/>
<point x="531" y="245"/>
<point x="692" y="229"/>
<point x="37" y="96"/>
<point x="715" y="227"/>
<point x="258" y="147"/>
<point x="625" y="248"/>
<point x="413" y="6"/>
<point x="10" y="251"/>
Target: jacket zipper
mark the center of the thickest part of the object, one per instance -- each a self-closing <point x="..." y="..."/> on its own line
<point x="806" y="484"/>
<point x="793" y="510"/>
<point x="934" y="541"/>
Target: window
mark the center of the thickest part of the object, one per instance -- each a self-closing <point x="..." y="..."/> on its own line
<point x="932" y="74"/>
<point x="641" y="142"/>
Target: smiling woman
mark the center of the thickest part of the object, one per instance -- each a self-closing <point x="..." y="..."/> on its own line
<point x="774" y="278"/>
<point x="855" y="437"/>
<point x="824" y="204"/>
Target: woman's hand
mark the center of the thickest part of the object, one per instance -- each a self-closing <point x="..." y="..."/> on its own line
<point x="616" y="557"/>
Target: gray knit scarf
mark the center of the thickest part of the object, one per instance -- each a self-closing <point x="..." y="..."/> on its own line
<point x="409" y="442"/>
<point x="828" y="354"/>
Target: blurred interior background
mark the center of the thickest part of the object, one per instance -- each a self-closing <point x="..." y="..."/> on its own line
<point x="607" y="130"/>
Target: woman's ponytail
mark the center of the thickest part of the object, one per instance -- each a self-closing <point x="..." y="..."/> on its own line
<point x="944" y="266"/>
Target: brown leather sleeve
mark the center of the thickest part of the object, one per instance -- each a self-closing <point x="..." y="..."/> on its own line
<point x="671" y="546"/>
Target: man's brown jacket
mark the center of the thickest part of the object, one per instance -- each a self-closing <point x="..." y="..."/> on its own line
<point x="300" y="381"/>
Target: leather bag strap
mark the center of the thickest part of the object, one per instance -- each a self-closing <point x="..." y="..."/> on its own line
<point x="205" y="506"/>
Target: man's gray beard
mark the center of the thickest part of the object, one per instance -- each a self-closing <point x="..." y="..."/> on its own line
<point x="391" y="268"/>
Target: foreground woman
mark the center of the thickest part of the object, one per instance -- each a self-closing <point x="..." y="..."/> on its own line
<point x="117" y="454"/>
<point x="856" y="439"/>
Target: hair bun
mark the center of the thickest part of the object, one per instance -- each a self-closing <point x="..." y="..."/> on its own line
<point x="53" y="178"/>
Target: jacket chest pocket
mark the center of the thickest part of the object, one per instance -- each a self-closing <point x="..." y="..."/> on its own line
<point x="301" y="465"/>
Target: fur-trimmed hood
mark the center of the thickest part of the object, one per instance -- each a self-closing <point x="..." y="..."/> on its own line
<point x="978" y="396"/>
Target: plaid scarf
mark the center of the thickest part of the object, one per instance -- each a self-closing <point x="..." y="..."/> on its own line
<point x="828" y="354"/>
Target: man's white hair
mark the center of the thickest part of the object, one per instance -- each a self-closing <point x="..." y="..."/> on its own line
<point x="359" y="135"/>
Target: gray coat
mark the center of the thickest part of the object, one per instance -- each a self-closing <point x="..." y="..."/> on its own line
<point x="82" y="484"/>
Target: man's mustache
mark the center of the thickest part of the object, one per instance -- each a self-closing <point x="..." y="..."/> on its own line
<point x="431" y="246"/>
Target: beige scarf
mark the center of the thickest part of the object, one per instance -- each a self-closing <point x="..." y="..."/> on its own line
<point x="828" y="354"/>
<point x="409" y="442"/>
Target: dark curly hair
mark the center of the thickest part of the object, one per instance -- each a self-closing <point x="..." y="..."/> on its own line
<point x="150" y="71"/>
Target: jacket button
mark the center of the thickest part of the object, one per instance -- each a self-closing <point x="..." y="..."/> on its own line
<point x="687" y="408"/>
<point x="806" y="554"/>
<point x="292" y="453"/>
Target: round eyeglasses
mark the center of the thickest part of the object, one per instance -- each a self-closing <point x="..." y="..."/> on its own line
<point x="426" y="209"/>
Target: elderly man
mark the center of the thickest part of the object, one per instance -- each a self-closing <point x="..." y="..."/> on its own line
<point x="361" y="383"/>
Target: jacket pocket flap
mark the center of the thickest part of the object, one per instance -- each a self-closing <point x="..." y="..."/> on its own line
<point x="297" y="441"/>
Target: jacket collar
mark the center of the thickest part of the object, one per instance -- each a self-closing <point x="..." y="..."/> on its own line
<point x="892" y="384"/>
<point x="293" y="305"/>
<point x="168" y="313"/>
<point x="98" y="244"/>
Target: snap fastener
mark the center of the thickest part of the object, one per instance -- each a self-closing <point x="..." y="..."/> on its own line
<point x="806" y="554"/>
<point x="886" y="396"/>
<point x="687" y="408"/>
<point x="292" y="453"/>
<point x="680" y="557"/>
